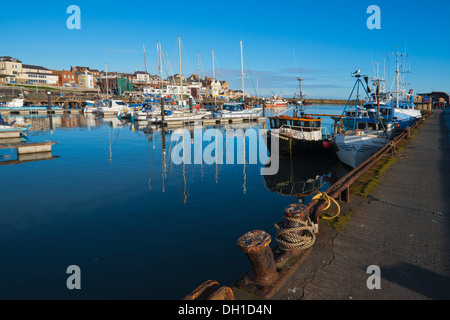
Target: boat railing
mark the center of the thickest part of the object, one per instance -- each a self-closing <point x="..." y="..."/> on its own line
<point x="308" y="133"/>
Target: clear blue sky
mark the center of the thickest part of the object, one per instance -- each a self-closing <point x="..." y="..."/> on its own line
<point x="330" y="39"/>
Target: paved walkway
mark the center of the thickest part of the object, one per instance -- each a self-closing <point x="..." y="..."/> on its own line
<point x="403" y="227"/>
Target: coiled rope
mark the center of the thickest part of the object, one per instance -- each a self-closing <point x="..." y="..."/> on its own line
<point x="298" y="238"/>
<point x="304" y="236"/>
<point x="328" y="200"/>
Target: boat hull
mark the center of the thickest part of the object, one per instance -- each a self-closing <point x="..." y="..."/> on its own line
<point x="288" y="146"/>
<point x="278" y="105"/>
<point x="353" y="150"/>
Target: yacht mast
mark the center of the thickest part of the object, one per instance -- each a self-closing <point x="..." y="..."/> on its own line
<point x="242" y="73"/>
<point x="181" y="72"/>
<point x="214" y="78"/>
<point x="145" y="66"/>
<point x="158" y="51"/>
<point x="107" y="90"/>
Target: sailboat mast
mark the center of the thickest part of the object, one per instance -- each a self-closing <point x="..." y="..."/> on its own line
<point x="158" y="52"/>
<point x="145" y="66"/>
<point x="242" y="72"/>
<point x="198" y="64"/>
<point x="214" y="77"/>
<point x="181" y="72"/>
<point x="214" y="70"/>
<point x="107" y="89"/>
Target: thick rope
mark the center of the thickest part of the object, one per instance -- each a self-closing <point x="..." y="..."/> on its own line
<point x="324" y="197"/>
<point x="298" y="238"/>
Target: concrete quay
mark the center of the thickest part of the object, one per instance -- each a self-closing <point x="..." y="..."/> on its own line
<point x="403" y="227"/>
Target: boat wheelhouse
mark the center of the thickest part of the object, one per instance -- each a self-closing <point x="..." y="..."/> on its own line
<point x="298" y="135"/>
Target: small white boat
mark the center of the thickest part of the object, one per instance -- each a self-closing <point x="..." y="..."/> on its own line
<point x="237" y="110"/>
<point x="12" y="127"/>
<point x="175" y="115"/>
<point x="90" y="107"/>
<point x="111" y="107"/>
<point x="15" y="103"/>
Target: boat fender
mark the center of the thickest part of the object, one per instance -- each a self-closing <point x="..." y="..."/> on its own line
<point x="326" y="144"/>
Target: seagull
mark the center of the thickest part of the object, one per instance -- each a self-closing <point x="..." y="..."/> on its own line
<point x="357" y="71"/>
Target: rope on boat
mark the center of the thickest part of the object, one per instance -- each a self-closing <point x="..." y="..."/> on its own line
<point x="324" y="197"/>
<point x="298" y="238"/>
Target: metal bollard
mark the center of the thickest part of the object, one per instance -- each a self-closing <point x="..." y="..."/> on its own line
<point x="294" y="212"/>
<point x="211" y="290"/>
<point x="255" y="244"/>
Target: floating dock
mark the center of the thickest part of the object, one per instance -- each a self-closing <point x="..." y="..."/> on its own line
<point x="27" y="111"/>
<point x="208" y="122"/>
<point x="26" y="151"/>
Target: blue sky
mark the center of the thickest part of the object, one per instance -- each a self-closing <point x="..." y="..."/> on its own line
<point x="329" y="40"/>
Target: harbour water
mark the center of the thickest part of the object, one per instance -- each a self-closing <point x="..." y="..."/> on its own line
<point x="138" y="225"/>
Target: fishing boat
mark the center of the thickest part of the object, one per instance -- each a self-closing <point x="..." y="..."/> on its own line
<point x="276" y="102"/>
<point x="237" y="110"/>
<point x="299" y="134"/>
<point x="362" y="132"/>
<point x="401" y="110"/>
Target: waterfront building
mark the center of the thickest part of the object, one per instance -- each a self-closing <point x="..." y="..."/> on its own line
<point x="9" y="68"/>
<point x="17" y="72"/>
<point x="65" y="78"/>
<point x="85" y="80"/>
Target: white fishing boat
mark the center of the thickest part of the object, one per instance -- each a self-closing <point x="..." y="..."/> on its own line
<point x="276" y="102"/>
<point x="363" y="134"/>
<point x="355" y="148"/>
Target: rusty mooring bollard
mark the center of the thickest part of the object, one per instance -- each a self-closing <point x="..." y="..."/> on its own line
<point x="255" y="244"/>
<point x="294" y="214"/>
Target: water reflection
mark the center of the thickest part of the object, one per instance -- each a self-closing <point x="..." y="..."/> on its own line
<point x="115" y="204"/>
<point x="301" y="177"/>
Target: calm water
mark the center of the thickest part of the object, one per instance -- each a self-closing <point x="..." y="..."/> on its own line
<point x="138" y="225"/>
